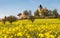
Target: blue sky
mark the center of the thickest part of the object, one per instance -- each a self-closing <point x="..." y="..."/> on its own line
<point x="13" y="7"/>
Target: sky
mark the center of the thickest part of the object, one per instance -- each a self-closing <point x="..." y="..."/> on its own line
<point x="14" y="7"/>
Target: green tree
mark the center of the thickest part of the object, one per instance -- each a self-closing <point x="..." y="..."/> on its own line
<point x="50" y="13"/>
<point x="55" y="13"/>
<point x="36" y="13"/>
<point x="44" y="12"/>
<point x="30" y="13"/>
<point x="4" y="20"/>
<point x="26" y="12"/>
<point x="32" y="18"/>
<point x="11" y="19"/>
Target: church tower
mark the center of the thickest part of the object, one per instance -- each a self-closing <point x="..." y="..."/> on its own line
<point x="40" y="9"/>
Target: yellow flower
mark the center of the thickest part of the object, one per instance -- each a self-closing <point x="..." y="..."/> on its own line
<point x="52" y="36"/>
<point x="13" y="29"/>
<point x="47" y="34"/>
<point x="17" y="28"/>
<point x="5" y="36"/>
<point x="19" y="34"/>
<point x="41" y="35"/>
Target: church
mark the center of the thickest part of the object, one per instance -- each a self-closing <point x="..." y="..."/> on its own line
<point x="42" y="10"/>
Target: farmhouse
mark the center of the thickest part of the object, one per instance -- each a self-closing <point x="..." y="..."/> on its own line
<point x="22" y="16"/>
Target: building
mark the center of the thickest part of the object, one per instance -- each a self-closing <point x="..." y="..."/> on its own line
<point x="22" y="16"/>
<point x="40" y="9"/>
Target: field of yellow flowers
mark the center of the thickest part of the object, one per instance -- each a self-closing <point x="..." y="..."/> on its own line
<point x="40" y="28"/>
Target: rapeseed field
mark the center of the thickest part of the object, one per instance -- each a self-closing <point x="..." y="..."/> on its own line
<point x="40" y="28"/>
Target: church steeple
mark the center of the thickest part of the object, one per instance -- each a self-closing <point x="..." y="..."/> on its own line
<point x="40" y="9"/>
<point x="40" y="6"/>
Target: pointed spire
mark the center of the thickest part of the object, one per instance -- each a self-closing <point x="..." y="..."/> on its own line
<point x="40" y="6"/>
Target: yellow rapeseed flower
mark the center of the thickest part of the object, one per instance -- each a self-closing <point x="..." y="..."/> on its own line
<point x="41" y="35"/>
<point x="19" y="34"/>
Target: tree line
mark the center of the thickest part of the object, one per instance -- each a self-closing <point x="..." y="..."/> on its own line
<point x="45" y="13"/>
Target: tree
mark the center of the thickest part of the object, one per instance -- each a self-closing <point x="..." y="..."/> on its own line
<point x="11" y="19"/>
<point x="49" y="13"/>
<point x="4" y="20"/>
<point x="55" y="13"/>
<point x="32" y="18"/>
<point x="36" y="13"/>
<point x="26" y="12"/>
<point x="30" y="13"/>
<point x="44" y="12"/>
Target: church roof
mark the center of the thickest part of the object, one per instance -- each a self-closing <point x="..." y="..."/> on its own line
<point x="40" y="6"/>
